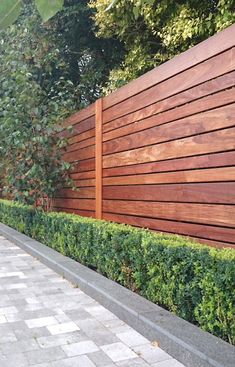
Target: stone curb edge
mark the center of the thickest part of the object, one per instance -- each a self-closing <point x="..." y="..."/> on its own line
<point x="182" y="340"/>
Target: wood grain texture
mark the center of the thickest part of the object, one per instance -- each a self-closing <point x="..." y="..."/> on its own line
<point x="220" y="215"/>
<point x="225" y="235"/>
<point x="212" y="68"/>
<point x="80" y="116"/>
<point x="81" y="193"/>
<point x="190" y="95"/>
<point x="98" y="158"/>
<point x="202" y="175"/>
<point x="208" y="103"/>
<point x="215" y="119"/>
<point x="195" y="55"/>
<point x="80" y="154"/>
<point x="201" y="144"/>
<point x="81" y="204"/>
<point x="217" y="193"/>
<point x="178" y="164"/>
<point x="79" y="145"/>
<point x="159" y="153"/>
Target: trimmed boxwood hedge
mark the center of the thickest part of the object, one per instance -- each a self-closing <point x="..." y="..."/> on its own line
<point x="195" y="282"/>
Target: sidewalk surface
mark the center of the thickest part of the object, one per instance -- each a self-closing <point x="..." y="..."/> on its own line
<point x="46" y="322"/>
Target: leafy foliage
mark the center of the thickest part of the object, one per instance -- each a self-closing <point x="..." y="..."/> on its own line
<point x="89" y="58"/>
<point x="154" y="31"/>
<point x="194" y="281"/>
<point x="35" y="94"/>
<point x="11" y="9"/>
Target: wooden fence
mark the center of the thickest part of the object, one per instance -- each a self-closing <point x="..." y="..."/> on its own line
<point x="160" y="152"/>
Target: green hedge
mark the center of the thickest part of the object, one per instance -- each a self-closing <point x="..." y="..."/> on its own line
<point x="195" y="282"/>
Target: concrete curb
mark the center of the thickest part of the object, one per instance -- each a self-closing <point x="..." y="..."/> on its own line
<point x="182" y="340"/>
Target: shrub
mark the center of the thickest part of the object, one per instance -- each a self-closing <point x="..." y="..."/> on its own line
<point x="194" y="281"/>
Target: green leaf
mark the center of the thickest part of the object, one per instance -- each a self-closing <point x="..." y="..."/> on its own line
<point x="112" y="4"/>
<point x="48" y="8"/>
<point x="9" y="12"/>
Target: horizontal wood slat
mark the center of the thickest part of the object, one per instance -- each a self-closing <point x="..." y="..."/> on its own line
<point x="192" y="229"/>
<point x="178" y="164"/>
<point x="80" y="193"/>
<point x="221" y="215"/>
<point x="220" y="193"/>
<point x="195" y="55"/>
<point x="190" y="95"/>
<point x="207" y="103"/>
<point x="82" y="204"/>
<point x="210" y="69"/>
<point x="159" y="153"/>
<point x="204" y="122"/>
<point x="203" y="175"/>
<point x="201" y="144"/>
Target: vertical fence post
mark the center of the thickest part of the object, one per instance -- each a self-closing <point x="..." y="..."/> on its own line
<point x="98" y="157"/>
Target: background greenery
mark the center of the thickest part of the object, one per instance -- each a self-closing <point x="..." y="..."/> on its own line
<point x="196" y="282"/>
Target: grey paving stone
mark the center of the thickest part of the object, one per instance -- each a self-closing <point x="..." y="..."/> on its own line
<point x="22" y="332"/>
<point x="60" y="339"/>
<point x="19" y="346"/>
<point x="66" y="327"/>
<point x="138" y="362"/>
<point x="45" y="322"/>
<point x="15" y="360"/>
<point x="168" y="363"/>
<point x="80" y="361"/>
<point x="100" y="359"/>
<point x="40" y="322"/>
<point x="47" y="355"/>
<point x="118" y="352"/>
<point x="132" y="338"/>
<point x="7" y="334"/>
<point x="76" y="349"/>
<point x="151" y="354"/>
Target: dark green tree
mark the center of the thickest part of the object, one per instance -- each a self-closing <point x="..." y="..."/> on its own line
<point x="153" y="31"/>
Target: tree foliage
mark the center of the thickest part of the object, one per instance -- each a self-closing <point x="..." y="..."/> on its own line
<point x="11" y="9"/>
<point x="35" y="94"/>
<point x="154" y="31"/>
<point x="90" y="58"/>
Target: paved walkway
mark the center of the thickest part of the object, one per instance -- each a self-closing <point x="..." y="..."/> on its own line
<point x="46" y="322"/>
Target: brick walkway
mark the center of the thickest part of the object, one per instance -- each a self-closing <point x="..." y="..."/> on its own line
<point x="46" y="322"/>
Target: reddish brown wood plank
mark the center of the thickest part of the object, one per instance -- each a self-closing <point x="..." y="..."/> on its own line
<point x="220" y="215"/>
<point x="82" y="193"/>
<point x="209" y="69"/>
<point x="207" y="103"/>
<point x="197" y="54"/>
<point x="215" y="243"/>
<point x="80" y="145"/>
<point x="194" y="230"/>
<point x="208" y="88"/>
<point x="204" y="122"/>
<point x="81" y="204"/>
<point x="83" y="166"/>
<point x="204" y="161"/>
<point x="82" y="175"/>
<point x="212" y="142"/>
<point x="80" y="154"/>
<point x="80" y="116"/>
<point x="98" y="158"/>
<point x="212" y="193"/>
<point x="84" y="183"/>
<point x="83" y="136"/>
<point x="200" y="175"/>
<point x="83" y="213"/>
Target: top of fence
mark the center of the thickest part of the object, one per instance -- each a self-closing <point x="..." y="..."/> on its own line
<point x="214" y="45"/>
